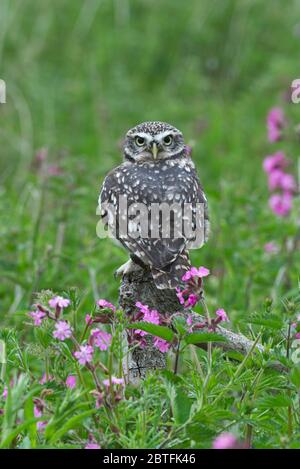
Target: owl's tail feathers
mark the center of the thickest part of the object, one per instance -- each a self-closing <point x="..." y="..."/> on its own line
<point x="171" y="276"/>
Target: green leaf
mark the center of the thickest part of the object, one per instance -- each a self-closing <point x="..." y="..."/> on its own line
<point x="8" y="438"/>
<point x="295" y="375"/>
<point x="154" y="329"/>
<point x="269" y="402"/>
<point x="43" y="336"/>
<point x="271" y="322"/>
<point x="202" y="337"/>
<point x="181" y="406"/>
<point x="56" y="421"/>
<point x="73" y="422"/>
<point x="180" y="325"/>
<point x="29" y="415"/>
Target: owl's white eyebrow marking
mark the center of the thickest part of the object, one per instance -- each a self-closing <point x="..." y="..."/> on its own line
<point x="147" y="137"/>
<point x="161" y="135"/>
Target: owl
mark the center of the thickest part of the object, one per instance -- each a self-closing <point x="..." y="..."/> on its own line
<point x="153" y="204"/>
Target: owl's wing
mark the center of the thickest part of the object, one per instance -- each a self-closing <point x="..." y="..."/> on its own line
<point x="157" y="252"/>
<point x="201" y="224"/>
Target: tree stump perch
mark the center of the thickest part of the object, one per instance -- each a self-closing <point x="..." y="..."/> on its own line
<point x="139" y="286"/>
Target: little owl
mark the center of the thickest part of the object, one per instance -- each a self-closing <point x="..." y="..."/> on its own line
<point x="154" y="205"/>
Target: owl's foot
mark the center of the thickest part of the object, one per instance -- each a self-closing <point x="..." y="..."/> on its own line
<point x="127" y="268"/>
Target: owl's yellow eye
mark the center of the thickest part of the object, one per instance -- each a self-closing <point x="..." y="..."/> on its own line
<point x="168" y="139"/>
<point x="140" y="141"/>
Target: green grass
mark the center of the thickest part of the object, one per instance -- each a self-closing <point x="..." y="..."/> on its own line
<point x="79" y="75"/>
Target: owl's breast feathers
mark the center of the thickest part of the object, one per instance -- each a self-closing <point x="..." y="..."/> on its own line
<point x="163" y="182"/>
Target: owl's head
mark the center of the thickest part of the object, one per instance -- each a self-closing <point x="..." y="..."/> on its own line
<point x="153" y="141"/>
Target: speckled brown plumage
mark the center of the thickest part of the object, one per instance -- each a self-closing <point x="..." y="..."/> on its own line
<point x="171" y="179"/>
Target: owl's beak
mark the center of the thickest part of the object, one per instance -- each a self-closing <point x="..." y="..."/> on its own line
<point x="154" y="150"/>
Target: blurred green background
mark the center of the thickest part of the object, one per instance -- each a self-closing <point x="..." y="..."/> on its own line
<point x="79" y="74"/>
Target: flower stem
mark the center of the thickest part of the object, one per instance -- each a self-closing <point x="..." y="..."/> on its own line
<point x="290" y="410"/>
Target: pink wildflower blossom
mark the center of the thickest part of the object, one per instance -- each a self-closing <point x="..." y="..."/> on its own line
<point x="149" y="315"/>
<point x="276" y="161"/>
<point x="92" y="446"/>
<point x="105" y="304"/>
<point x="45" y="380"/>
<point x="5" y="392"/>
<point x="38" y="413"/>
<point x="222" y="314"/>
<point x="186" y="298"/>
<point x="54" y="170"/>
<point x="71" y="381"/>
<point x="152" y="316"/>
<point x="88" y="319"/>
<point x="275" y="123"/>
<point x="192" y="300"/>
<point x="102" y="339"/>
<point x="194" y="272"/>
<point x="37" y="317"/>
<point x="271" y="247"/>
<point x="288" y="183"/>
<point x="180" y="296"/>
<point x="85" y="354"/>
<point x="143" y="308"/>
<point x="189" y="320"/>
<point x="225" y="441"/>
<point x="114" y="380"/>
<point x="281" y="204"/>
<point x="59" y="301"/>
<point x="280" y="180"/>
<point x="62" y="330"/>
<point x="162" y="345"/>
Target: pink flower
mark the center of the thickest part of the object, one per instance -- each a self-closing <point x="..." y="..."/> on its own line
<point x="114" y="380"/>
<point x="45" y="380"/>
<point x="85" y="354"/>
<point x="194" y="272"/>
<point x="162" y="345"/>
<point x="62" y="330"/>
<point x="152" y="316"/>
<point x="280" y="180"/>
<point x="88" y="319"/>
<point x="105" y="304"/>
<point x="37" y="317"/>
<point x="5" y="392"/>
<point x="222" y="314"/>
<point x="92" y="446"/>
<point x="71" y="381"/>
<point x="297" y="335"/>
<point x="288" y="183"/>
<point x="149" y="315"/>
<point x="192" y="300"/>
<point x="281" y="204"/>
<point x="275" y="123"/>
<point x="274" y="134"/>
<point x="180" y="296"/>
<point x="59" y="301"/>
<point x="143" y="308"/>
<point x="186" y="298"/>
<point x="189" y="320"/>
<point x="102" y="338"/>
<point x="38" y="413"/>
<point x="276" y="161"/>
<point x="54" y="170"/>
<point x="271" y="247"/>
<point x="275" y="179"/>
<point x="225" y="441"/>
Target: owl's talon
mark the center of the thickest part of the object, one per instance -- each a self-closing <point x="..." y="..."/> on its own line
<point x="126" y="269"/>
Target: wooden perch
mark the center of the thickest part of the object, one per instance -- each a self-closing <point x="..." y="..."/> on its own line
<point x="139" y="286"/>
